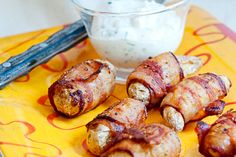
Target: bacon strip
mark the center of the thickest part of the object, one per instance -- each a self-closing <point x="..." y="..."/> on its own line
<point x="181" y="73"/>
<point x="151" y="68"/>
<point x="221" y="83"/>
<point x="204" y="83"/>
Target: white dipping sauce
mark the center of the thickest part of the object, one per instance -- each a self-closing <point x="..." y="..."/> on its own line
<point x="128" y="40"/>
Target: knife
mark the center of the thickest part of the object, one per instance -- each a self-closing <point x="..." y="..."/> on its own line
<point x="23" y="63"/>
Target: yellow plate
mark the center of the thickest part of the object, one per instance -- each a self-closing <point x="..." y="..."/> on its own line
<point x="30" y="127"/>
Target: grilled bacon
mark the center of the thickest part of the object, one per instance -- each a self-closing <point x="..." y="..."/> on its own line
<point x="152" y="140"/>
<point x="83" y="87"/>
<point x="151" y="80"/>
<point x="195" y="98"/>
<point x="218" y="139"/>
<point x="103" y="130"/>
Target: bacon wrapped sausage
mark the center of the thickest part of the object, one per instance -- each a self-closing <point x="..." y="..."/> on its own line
<point x="151" y="80"/>
<point x="105" y="127"/>
<point x="153" y="140"/>
<point x="219" y="139"/>
<point x="83" y="87"/>
<point x="195" y="98"/>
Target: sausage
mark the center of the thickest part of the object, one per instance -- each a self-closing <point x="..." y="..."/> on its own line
<point x="195" y="98"/>
<point x="218" y="139"/>
<point x="105" y="127"/>
<point x="152" y="140"/>
<point x="151" y="80"/>
<point x="83" y="87"/>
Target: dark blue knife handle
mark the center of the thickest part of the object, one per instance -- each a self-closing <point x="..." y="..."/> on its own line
<point x="23" y="63"/>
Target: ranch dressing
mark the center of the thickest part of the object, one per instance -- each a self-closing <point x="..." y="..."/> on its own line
<point x="127" y="41"/>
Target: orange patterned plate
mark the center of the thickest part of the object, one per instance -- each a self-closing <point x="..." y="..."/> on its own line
<point x="30" y="127"/>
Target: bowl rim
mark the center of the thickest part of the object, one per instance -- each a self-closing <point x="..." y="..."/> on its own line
<point x="132" y="13"/>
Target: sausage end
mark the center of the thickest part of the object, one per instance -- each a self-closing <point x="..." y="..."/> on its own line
<point x="139" y="92"/>
<point x="97" y="138"/>
<point x="173" y="118"/>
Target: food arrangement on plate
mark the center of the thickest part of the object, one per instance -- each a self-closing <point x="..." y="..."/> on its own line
<point x="161" y="82"/>
<point x="158" y="109"/>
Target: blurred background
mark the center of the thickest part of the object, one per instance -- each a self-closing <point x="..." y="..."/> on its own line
<point x="19" y="16"/>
